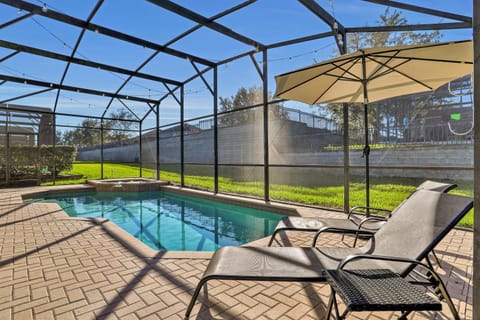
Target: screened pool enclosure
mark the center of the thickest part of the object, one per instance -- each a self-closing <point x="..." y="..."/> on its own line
<point x="183" y="91"/>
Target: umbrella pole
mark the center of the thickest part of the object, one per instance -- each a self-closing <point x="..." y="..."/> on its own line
<point x="366" y="154"/>
<point x="366" y="149"/>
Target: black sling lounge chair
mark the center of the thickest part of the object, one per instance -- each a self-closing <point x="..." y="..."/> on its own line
<point x="356" y="217"/>
<point x="413" y="231"/>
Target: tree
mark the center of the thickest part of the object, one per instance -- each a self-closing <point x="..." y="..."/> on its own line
<point x="237" y="111"/>
<point x="88" y="133"/>
<point x="361" y="40"/>
<point x="118" y="129"/>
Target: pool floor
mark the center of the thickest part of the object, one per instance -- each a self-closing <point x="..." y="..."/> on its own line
<point x="168" y="221"/>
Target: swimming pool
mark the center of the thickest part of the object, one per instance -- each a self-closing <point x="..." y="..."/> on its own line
<point x="169" y="221"/>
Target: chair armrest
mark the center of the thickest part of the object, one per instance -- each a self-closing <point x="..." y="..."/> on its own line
<point x="371" y="219"/>
<point x="352" y="258"/>
<point x="435" y="276"/>
<point x="340" y="230"/>
<point x="354" y="210"/>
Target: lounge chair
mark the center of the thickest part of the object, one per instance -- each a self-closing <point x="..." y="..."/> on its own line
<point x="372" y="220"/>
<point x="413" y="231"/>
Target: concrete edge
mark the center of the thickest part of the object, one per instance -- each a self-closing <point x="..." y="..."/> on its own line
<point x="49" y="190"/>
<point x="142" y="250"/>
<point x="235" y="200"/>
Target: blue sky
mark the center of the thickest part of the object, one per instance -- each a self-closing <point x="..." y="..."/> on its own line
<point x="267" y="21"/>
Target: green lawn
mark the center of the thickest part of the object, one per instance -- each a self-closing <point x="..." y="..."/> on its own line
<point x="384" y="193"/>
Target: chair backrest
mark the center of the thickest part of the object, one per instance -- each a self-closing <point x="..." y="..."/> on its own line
<point x="418" y="225"/>
<point x="436" y="186"/>
<point x="429" y="185"/>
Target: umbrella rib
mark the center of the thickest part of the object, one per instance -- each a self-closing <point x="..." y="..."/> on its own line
<point x="354" y="76"/>
<point x="338" y="78"/>
<point x="384" y="53"/>
<point x="338" y="59"/>
<point x="381" y="65"/>
<point x="316" y="76"/>
<point x="392" y="69"/>
<point x="325" y="91"/>
<point x="425" y="59"/>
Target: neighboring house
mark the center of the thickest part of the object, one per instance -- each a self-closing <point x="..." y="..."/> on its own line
<point x="28" y="126"/>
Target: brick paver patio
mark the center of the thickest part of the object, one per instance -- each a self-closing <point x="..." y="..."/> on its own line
<point x="56" y="267"/>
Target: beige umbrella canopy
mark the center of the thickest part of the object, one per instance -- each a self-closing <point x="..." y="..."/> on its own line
<point x="386" y="72"/>
<point x="370" y="75"/>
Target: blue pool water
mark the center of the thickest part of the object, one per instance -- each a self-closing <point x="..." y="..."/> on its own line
<point x="168" y="221"/>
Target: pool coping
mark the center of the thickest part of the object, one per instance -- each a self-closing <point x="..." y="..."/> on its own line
<point x="127" y="184"/>
<point x="135" y="245"/>
<point x="252" y="203"/>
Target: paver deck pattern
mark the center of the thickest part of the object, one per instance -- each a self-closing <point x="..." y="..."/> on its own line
<point x="56" y="267"/>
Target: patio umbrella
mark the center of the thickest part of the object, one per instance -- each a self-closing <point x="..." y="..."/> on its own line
<point x="370" y="75"/>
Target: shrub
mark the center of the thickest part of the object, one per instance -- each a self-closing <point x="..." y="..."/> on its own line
<point x="63" y="160"/>
<point x="27" y="160"/>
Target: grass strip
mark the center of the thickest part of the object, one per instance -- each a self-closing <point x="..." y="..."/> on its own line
<point x="384" y="193"/>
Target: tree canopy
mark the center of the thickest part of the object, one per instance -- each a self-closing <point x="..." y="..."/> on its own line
<point x="88" y="133"/>
<point x="239" y="109"/>
<point x="358" y="41"/>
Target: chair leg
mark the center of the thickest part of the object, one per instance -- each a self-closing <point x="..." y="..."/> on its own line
<point x="194" y="297"/>
<point x="448" y="299"/>
<point x="355" y="240"/>
<point x="315" y="238"/>
<point x="331" y="302"/>
<point x="429" y="262"/>
<point x="337" y="313"/>
<point x="436" y="258"/>
<point x="273" y="237"/>
<point x="438" y="283"/>
<point x="404" y="315"/>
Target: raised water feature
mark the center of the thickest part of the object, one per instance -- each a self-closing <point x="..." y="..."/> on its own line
<point x="127" y="185"/>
